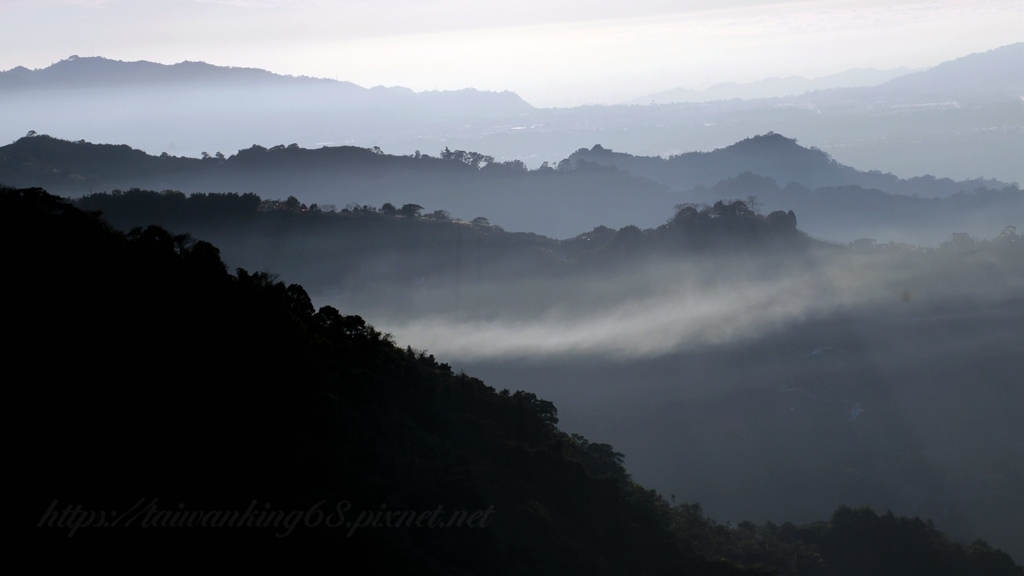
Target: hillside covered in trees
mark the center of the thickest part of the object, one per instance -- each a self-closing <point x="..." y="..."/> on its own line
<point x="330" y="250"/>
<point x="722" y="314"/>
<point x="168" y="379"/>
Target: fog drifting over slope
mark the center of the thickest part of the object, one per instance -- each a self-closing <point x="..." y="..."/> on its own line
<point x="772" y="387"/>
<point x="658" y="308"/>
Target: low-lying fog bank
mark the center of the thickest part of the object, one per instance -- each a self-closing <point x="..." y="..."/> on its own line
<point x="772" y="387"/>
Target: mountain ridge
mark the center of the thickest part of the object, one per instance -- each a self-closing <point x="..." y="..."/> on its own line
<point x="775" y="87"/>
<point x="996" y="71"/>
<point x="772" y="155"/>
<point x="942" y="122"/>
<point x="91" y="71"/>
<point x="592" y="187"/>
<point x="97" y="71"/>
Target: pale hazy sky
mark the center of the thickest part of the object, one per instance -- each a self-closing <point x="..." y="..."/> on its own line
<point x="551" y="52"/>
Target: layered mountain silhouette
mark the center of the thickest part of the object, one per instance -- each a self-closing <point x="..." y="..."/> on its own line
<point x="992" y="74"/>
<point x="330" y="252"/>
<point x="213" y="393"/>
<point x="774" y="87"/>
<point x="774" y="156"/>
<point x="996" y="74"/>
<point x="592" y="187"/>
<point x="961" y="119"/>
<point x="96" y="73"/>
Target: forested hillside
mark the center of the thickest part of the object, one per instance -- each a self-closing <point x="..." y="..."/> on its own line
<point x="330" y="250"/>
<point x="162" y="378"/>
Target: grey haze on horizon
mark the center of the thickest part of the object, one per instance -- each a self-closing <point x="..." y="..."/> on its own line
<point x="962" y="119"/>
<point x="566" y="54"/>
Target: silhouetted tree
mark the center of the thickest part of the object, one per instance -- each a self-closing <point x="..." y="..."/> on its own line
<point x="410" y="210"/>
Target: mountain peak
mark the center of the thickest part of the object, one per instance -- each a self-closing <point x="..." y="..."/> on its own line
<point x="996" y="72"/>
<point x="99" y="72"/>
<point x="96" y="72"/>
<point x="768" y="139"/>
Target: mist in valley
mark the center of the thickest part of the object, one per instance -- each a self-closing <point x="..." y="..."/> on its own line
<point x="771" y="298"/>
<point x="641" y="311"/>
<point x="771" y="386"/>
<point x="733" y="360"/>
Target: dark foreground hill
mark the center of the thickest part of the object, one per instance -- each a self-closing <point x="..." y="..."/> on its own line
<point x="172" y="383"/>
<point x="200" y="405"/>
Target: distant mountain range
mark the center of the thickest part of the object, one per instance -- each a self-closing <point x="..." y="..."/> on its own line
<point x="996" y="73"/>
<point x="962" y="119"/>
<point x="774" y="87"/>
<point x="95" y="73"/>
<point x="592" y="187"/>
<point x="989" y="75"/>
<point x="774" y="156"/>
